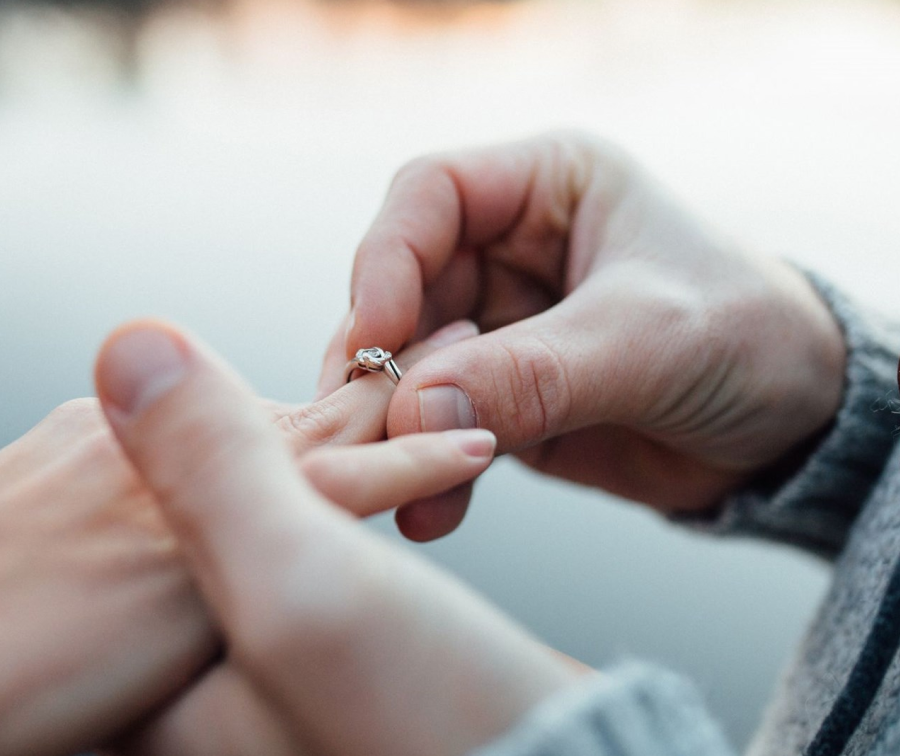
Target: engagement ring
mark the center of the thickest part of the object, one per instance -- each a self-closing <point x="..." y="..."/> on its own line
<point x="374" y="360"/>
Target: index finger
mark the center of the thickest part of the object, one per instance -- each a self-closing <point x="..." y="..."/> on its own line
<point x="357" y="413"/>
<point x="435" y="206"/>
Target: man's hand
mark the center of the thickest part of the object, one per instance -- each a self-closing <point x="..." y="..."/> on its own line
<point x="625" y="347"/>
<point x="335" y="641"/>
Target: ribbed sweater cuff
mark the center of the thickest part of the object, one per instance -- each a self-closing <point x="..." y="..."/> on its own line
<point x="816" y="507"/>
<point x="633" y="710"/>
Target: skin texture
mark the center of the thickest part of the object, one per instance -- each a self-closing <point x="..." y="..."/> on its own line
<point x="86" y="556"/>
<point x="336" y="642"/>
<point x="624" y="346"/>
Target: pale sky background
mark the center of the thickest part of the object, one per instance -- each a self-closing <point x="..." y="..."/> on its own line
<point x="223" y="179"/>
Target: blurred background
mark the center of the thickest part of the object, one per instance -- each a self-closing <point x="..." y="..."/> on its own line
<point x="216" y="165"/>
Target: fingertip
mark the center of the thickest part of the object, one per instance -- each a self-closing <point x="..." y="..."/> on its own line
<point x="138" y="363"/>
<point x="435" y="517"/>
<point x="477" y="443"/>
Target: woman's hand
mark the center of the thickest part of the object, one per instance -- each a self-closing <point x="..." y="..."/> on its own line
<point x="98" y="617"/>
<point x="335" y="641"/>
<point x="100" y="621"/>
<point x="628" y="348"/>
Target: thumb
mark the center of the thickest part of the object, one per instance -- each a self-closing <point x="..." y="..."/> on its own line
<point x="525" y="382"/>
<point x="204" y="447"/>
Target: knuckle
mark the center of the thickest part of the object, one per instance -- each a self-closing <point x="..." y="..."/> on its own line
<point x="99" y="450"/>
<point x="412" y="450"/>
<point x="582" y="160"/>
<point x="84" y="412"/>
<point x="538" y="388"/>
<point x="566" y="181"/>
<point x="582" y="148"/>
<point x="578" y="138"/>
<point x="407" y="457"/>
<point x="313" y="465"/>
<point x="420" y="167"/>
<point x="317" y="424"/>
<point x="431" y="178"/>
<point x="568" y="164"/>
<point x="323" y="472"/>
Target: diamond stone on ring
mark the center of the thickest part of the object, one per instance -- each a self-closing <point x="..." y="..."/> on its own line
<point x="374" y="360"/>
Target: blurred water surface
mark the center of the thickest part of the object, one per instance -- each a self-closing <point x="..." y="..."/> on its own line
<point x="220" y="171"/>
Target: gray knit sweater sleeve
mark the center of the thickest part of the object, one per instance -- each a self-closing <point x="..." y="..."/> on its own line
<point x="632" y="710"/>
<point x="815" y="506"/>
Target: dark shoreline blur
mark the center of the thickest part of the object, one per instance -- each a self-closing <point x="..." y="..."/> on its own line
<point x="138" y="8"/>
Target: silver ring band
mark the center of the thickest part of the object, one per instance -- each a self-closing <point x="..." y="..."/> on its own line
<point x="374" y="360"/>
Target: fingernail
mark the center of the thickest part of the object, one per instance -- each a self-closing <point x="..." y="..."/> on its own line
<point x="445" y="407"/>
<point x="460" y="330"/>
<point x="478" y="443"/>
<point x="140" y="366"/>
